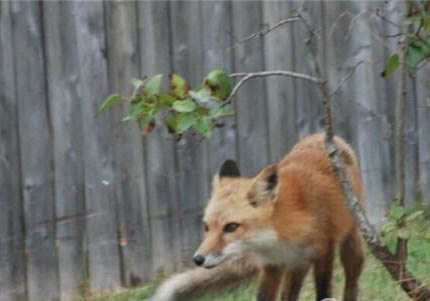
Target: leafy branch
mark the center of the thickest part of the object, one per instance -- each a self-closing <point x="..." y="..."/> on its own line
<point x="417" y="43"/>
<point x="181" y="108"/>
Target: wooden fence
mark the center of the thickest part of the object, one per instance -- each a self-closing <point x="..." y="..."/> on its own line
<point x="90" y="204"/>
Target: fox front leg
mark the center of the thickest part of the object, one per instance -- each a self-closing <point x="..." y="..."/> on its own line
<point x="270" y="283"/>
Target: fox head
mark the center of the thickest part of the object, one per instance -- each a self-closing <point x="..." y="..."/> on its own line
<point x="238" y="213"/>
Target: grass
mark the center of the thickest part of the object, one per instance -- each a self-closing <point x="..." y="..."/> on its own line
<point x="375" y="283"/>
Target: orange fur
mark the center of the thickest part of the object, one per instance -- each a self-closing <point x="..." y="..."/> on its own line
<point x="286" y="219"/>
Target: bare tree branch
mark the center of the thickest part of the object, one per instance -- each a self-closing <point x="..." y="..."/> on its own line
<point x="402" y="244"/>
<point x="264" y="31"/>
<point x="346" y="77"/>
<point x="248" y="76"/>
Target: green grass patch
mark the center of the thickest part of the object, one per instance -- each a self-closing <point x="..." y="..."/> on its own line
<point x="375" y="283"/>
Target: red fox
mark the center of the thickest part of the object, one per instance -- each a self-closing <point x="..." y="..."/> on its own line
<point x="278" y="224"/>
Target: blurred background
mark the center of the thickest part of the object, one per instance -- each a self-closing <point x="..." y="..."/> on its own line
<point x="92" y="205"/>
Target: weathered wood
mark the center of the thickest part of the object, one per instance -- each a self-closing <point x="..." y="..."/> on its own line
<point x="36" y="155"/>
<point x="191" y="151"/>
<point x="129" y="166"/>
<point x="144" y="201"/>
<point x="65" y="111"/>
<point x="394" y="10"/>
<point x="397" y="11"/>
<point x="339" y="61"/>
<point x="216" y="39"/>
<point x="161" y="177"/>
<point x="309" y="109"/>
<point x="12" y="258"/>
<point x="423" y="114"/>
<point x="103" y="250"/>
<point x="281" y="97"/>
<point x="367" y="81"/>
<point x="252" y="131"/>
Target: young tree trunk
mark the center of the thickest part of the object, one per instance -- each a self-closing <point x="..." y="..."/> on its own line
<point x="397" y="268"/>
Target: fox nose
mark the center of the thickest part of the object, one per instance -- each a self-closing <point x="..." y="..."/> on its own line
<point x="198" y="259"/>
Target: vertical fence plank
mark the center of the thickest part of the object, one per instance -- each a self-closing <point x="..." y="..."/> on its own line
<point x="411" y="146"/>
<point x="154" y="42"/>
<point x="36" y="152"/>
<point x="216" y="38"/>
<point x="12" y="257"/>
<point x="281" y="97"/>
<point x="191" y="151"/>
<point x="129" y="166"/>
<point x="367" y="81"/>
<point x="309" y="107"/>
<point x="252" y="139"/>
<point x="103" y="250"/>
<point x="394" y="10"/>
<point x="397" y="10"/>
<point x="423" y="112"/>
<point x="339" y="60"/>
<point x="65" y="108"/>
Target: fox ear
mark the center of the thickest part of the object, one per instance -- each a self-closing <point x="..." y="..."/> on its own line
<point x="264" y="186"/>
<point x="229" y="169"/>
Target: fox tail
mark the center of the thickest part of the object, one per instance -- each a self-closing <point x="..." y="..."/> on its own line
<point x="198" y="280"/>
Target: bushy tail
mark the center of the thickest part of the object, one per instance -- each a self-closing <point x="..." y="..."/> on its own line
<point x="182" y="286"/>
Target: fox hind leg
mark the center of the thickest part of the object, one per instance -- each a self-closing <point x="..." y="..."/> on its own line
<point x="352" y="258"/>
<point x="323" y="270"/>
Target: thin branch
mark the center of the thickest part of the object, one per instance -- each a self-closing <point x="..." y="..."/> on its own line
<point x="402" y="244"/>
<point x="378" y="14"/>
<point x="259" y="34"/>
<point x="419" y="7"/>
<point x="248" y="76"/>
<point x="347" y="76"/>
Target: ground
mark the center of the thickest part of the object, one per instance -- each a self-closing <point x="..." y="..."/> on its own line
<point x="375" y="283"/>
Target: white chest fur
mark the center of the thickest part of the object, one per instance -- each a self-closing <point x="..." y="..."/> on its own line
<point x="274" y="251"/>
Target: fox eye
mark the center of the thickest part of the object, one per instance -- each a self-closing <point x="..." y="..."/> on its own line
<point x="231" y="227"/>
<point x="206" y="227"/>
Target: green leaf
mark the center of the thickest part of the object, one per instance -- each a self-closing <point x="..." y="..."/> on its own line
<point x="418" y="50"/>
<point x="204" y="126"/>
<point x="426" y="24"/>
<point x="221" y="111"/>
<point x="184" y="122"/>
<point x="137" y="109"/>
<point x="219" y="83"/>
<point x="392" y="65"/>
<point x="403" y="233"/>
<point x="145" y="119"/>
<point x="153" y="85"/>
<point x="203" y="95"/>
<point x="202" y="111"/>
<point x="184" y="106"/>
<point x="388" y="228"/>
<point x="137" y="83"/>
<point x="166" y="100"/>
<point x="178" y="86"/>
<point x="171" y="122"/>
<point x="126" y="118"/>
<point x="108" y="103"/>
<point x="414" y="216"/>
<point x="397" y="212"/>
